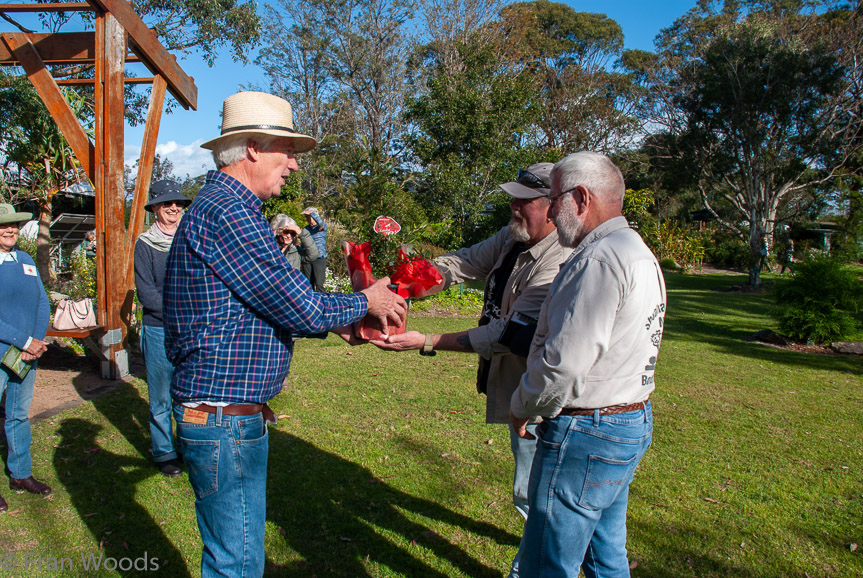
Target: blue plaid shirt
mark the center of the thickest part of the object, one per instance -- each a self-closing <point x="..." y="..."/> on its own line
<point x="232" y="301"/>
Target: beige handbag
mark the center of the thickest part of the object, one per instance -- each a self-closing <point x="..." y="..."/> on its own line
<point x="74" y="314"/>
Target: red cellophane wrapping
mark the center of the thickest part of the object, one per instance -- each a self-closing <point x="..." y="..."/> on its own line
<point x="413" y="278"/>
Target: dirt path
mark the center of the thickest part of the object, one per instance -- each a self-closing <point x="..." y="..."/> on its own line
<point x="65" y="380"/>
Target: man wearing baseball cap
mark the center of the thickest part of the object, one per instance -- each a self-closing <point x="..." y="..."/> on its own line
<point x="518" y="265"/>
<point x="232" y="306"/>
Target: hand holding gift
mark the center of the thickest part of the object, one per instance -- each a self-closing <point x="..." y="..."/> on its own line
<point x="409" y="278"/>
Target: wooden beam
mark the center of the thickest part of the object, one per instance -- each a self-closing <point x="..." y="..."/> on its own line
<point x="127" y="80"/>
<point x="110" y="107"/>
<point x="146" y="45"/>
<point x="60" y="48"/>
<point x="53" y="98"/>
<point x="48" y="7"/>
<point x="145" y="173"/>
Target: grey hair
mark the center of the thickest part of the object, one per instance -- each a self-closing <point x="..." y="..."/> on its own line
<point x="231" y="150"/>
<point x="281" y="221"/>
<point x="593" y="170"/>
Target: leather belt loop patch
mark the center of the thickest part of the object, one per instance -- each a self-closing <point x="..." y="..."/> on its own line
<point x="194" y="416"/>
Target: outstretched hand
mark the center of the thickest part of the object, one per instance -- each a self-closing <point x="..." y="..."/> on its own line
<point x="387" y="307"/>
<point x="350" y="334"/>
<point x="402" y="342"/>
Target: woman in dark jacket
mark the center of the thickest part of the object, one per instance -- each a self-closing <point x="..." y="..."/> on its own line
<point x="24" y="315"/>
<point x="296" y="244"/>
<point x="151" y="257"/>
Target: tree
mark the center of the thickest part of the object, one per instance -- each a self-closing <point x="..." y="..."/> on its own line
<point x="755" y="103"/>
<point x="30" y="139"/>
<point x="470" y="133"/>
<point x="585" y="104"/>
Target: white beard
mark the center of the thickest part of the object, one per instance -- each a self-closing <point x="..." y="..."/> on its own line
<point x="518" y="230"/>
<point x="570" y="227"/>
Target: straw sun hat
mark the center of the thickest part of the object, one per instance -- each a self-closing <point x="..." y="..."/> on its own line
<point x="252" y="112"/>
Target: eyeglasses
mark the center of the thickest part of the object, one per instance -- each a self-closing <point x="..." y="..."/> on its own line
<point x="553" y="198"/>
<point x="530" y="180"/>
<point x="286" y="232"/>
<point x="167" y="204"/>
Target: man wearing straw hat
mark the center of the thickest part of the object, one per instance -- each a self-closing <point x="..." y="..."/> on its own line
<point x="232" y="306"/>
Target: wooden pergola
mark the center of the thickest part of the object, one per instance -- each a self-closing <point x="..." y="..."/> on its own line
<point x="120" y="36"/>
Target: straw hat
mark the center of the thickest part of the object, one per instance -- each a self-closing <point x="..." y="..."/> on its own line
<point x="252" y="113"/>
<point x="8" y="215"/>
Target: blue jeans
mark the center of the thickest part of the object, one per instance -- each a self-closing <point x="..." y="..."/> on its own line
<point x="159" y="373"/>
<point x="19" y="396"/>
<point x="579" y="490"/>
<point x="227" y="463"/>
<point x="523" y="451"/>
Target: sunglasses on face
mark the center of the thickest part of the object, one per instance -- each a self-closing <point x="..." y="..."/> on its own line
<point x="287" y="232"/>
<point x="530" y="180"/>
<point x="167" y="204"/>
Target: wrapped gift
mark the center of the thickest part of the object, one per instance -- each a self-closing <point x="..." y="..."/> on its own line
<point x="410" y="278"/>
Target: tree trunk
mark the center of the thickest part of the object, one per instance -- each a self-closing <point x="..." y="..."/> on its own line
<point x="43" y="243"/>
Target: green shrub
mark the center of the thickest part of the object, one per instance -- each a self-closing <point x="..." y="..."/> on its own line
<point x="668" y="240"/>
<point x="83" y="282"/>
<point x="820" y="303"/>
<point x="668" y="264"/>
<point x="724" y="249"/>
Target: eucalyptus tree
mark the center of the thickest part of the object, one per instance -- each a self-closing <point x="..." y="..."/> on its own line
<point x="585" y="100"/>
<point x="755" y="106"/>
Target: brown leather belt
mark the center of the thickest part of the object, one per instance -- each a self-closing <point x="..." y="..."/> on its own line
<point x="240" y="409"/>
<point x="605" y="410"/>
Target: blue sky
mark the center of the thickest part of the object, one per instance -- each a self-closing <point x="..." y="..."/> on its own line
<point x="182" y="131"/>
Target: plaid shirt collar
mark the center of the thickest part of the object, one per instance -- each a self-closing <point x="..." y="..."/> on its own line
<point x="227" y="181"/>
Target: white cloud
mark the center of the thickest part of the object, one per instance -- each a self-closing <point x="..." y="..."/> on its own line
<point x="189" y="159"/>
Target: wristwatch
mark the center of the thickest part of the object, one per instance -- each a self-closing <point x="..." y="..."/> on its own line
<point x="428" y="348"/>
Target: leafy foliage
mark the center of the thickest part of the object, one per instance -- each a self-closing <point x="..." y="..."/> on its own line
<point x="821" y="302"/>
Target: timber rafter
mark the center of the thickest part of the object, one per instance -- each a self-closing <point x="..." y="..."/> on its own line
<point x="120" y="36"/>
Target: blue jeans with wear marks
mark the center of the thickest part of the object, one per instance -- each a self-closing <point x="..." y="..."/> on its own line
<point x="19" y="396"/>
<point x="227" y="463"/>
<point x="579" y="491"/>
<point x="159" y="374"/>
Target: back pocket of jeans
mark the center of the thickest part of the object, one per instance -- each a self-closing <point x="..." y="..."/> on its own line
<point x="202" y="460"/>
<point x="603" y="481"/>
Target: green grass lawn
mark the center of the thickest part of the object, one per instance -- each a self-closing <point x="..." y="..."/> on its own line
<point x="382" y="465"/>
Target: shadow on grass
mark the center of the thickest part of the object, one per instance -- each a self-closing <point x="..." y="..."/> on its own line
<point x="699" y="310"/>
<point x="338" y="516"/>
<point x="102" y="488"/>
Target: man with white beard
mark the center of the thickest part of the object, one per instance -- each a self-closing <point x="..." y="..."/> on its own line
<point x="590" y="372"/>
<point x="518" y="265"/>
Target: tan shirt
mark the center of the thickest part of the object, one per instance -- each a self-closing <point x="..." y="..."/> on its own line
<point x="528" y="285"/>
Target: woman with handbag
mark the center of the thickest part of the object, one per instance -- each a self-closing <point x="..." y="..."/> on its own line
<point x="151" y="257"/>
<point x="24" y="315"/>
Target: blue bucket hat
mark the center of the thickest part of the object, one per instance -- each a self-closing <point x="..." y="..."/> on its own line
<point x="166" y="191"/>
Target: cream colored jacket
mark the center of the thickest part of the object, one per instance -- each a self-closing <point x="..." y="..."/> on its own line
<point x="528" y="285"/>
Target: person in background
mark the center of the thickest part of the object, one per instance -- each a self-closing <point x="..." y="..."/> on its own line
<point x="90" y="245"/>
<point x="589" y="375"/>
<point x="151" y="256"/>
<point x="518" y="265"/>
<point x="24" y="317"/>
<point x="296" y="244"/>
<point x="316" y="271"/>
<point x="233" y="304"/>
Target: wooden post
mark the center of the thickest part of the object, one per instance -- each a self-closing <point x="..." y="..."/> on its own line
<point x="145" y="173"/>
<point x="110" y="198"/>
